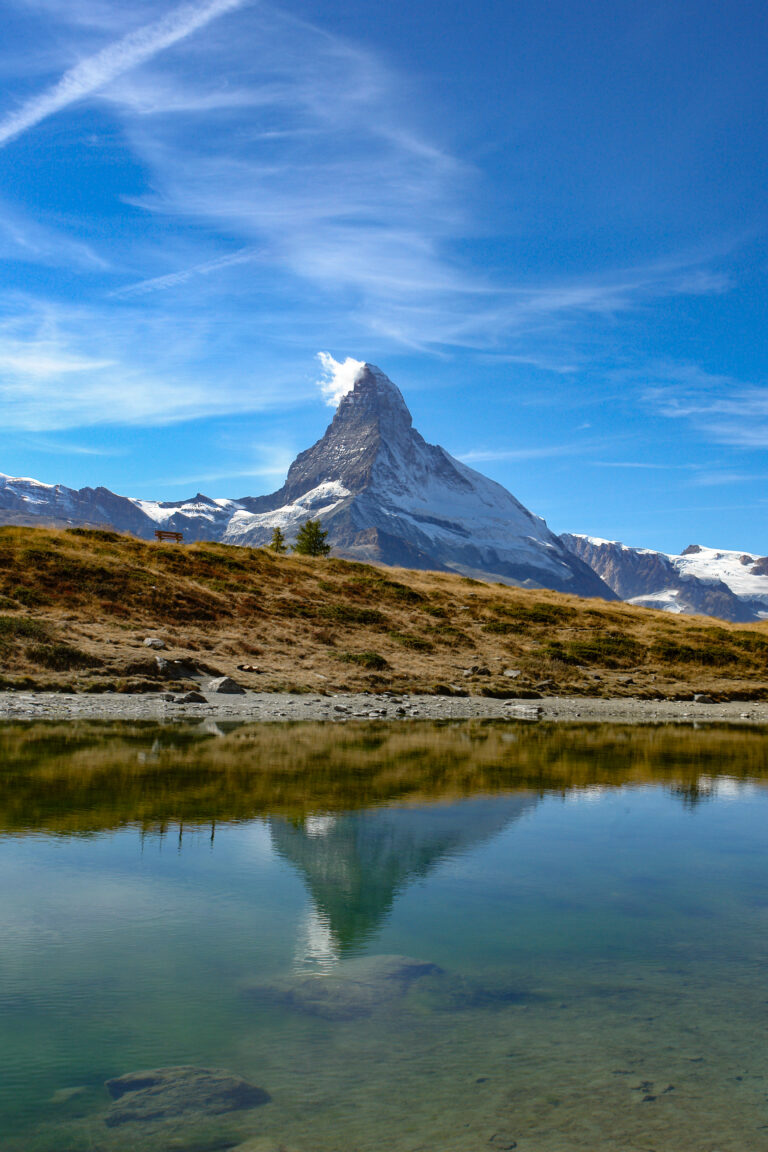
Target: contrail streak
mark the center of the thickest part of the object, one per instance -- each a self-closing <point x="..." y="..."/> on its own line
<point x="93" y="73"/>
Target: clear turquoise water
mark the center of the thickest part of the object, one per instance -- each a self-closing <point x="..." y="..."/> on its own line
<point x="604" y="951"/>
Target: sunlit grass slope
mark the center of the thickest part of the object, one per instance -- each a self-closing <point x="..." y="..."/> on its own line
<point x="76" y="606"/>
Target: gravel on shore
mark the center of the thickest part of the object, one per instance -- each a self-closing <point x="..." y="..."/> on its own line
<point x="282" y="707"/>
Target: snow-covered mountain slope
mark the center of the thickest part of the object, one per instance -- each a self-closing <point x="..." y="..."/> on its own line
<point x="386" y="495"/>
<point x="382" y="492"/>
<point x="28" y="501"/>
<point x="710" y="581"/>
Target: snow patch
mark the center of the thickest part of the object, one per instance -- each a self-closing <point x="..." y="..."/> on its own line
<point x="253" y="527"/>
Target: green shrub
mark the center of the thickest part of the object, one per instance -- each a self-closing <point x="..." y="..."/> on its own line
<point x="448" y="634"/>
<point x="370" y="660"/>
<point x="611" y="649"/>
<point x="29" y="597"/>
<point x="22" y="627"/>
<point x="415" y="643"/>
<point x="60" y="657"/>
<point x="538" y="612"/>
<point x="350" y="614"/>
<point x="709" y="655"/>
<point x="96" y="534"/>
<point x="439" y="611"/>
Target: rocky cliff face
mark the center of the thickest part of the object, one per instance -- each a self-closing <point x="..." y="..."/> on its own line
<point x="731" y="585"/>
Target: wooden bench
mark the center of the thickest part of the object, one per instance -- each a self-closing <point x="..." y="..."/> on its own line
<point x="177" y="537"/>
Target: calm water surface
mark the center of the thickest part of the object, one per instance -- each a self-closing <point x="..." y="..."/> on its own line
<point x="584" y="913"/>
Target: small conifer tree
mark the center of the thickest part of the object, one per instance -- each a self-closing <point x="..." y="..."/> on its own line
<point x="310" y="539"/>
<point x="277" y="543"/>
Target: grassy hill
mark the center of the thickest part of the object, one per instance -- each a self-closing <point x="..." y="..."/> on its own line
<point x="76" y="606"/>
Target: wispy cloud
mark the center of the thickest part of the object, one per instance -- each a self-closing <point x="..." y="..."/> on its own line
<point x="64" y="368"/>
<point x="545" y="452"/>
<point x="724" y="409"/>
<point x="288" y="188"/>
<point x="272" y="462"/>
<point x="68" y="447"/>
<point x="642" y="464"/>
<point x="716" y="479"/>
<point x="24" y="239"/>
<point x="93" y="73"/>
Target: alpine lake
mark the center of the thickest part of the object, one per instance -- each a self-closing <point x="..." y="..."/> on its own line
<point x="416" y="937"/>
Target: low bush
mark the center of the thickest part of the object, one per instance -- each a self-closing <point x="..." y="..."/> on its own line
<point x="373" y="661"/>
<point x="351" y="614"/>
<point x="415" y="643"/>
<point x="22" y="627"/>
<point x="709" y="655"/>
<point x="610" y="649"/>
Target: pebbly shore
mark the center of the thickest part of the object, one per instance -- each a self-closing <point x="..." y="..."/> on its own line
<point x="281" y="708"/>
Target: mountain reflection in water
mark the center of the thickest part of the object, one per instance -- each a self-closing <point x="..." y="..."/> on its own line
<point x="355" y="864"/>
<point x="252" y="898"/>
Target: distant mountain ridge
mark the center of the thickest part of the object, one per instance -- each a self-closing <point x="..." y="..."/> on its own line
<point x="707" y="581"/>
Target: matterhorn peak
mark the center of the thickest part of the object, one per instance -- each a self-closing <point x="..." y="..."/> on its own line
<point x="373" y="400"/>
<point x="386" y="495"/>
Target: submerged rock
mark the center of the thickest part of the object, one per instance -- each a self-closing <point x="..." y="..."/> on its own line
<point x="162" y="1093"/>
<point x="261" y="1144"/>
<point x="357" y="988"/>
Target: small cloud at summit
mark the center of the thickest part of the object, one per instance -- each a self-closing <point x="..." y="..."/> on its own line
<point x="337" y="378"/>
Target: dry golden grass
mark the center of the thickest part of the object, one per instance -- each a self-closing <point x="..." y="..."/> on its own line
<point x="76" y="606"/>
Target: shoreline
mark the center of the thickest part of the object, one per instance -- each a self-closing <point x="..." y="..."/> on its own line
<point x="256" y="707"/>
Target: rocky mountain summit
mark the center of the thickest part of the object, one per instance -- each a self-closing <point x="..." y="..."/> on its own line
<point x="387" y="496"/>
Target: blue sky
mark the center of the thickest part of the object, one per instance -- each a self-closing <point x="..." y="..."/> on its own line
<point x="547" y="223"/>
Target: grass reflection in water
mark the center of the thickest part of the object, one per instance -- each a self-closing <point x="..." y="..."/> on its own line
<point x="91" y="777"/>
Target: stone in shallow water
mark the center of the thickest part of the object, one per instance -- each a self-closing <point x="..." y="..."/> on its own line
<point x="357" y="988"/>
<point x="162" y="1093"/>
